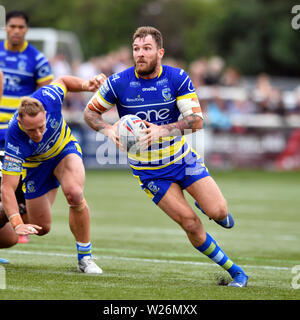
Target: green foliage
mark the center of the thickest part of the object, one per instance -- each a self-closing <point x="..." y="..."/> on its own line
<point x="253" y="35"/>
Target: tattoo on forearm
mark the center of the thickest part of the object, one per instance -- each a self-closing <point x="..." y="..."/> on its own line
<point x="94" y="120"/>
<point x="188" y="122"/>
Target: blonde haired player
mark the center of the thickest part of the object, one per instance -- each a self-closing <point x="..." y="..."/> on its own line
<point x="41" y="147"/>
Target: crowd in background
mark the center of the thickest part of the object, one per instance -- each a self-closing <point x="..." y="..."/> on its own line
<point x="222" y="90"/>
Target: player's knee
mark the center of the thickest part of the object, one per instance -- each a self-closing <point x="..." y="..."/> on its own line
<point x="74" y="195"/>
<point x="222" y="212"/>
<point x="45" y="229"/>
<point x="219" y="212"/>
<point x="9" y="242"/>
<point x="191" y="225"/>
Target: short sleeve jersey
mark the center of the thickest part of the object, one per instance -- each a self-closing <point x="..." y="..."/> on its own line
<point x="22" y="70"/>
<point x="154" y="100"/>
<point x="21" y="151"/>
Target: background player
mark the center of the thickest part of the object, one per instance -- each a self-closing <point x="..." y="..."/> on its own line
<point x="40" y="146"/>
<point x="159" y="94"/>
<point x="25" y="69"/>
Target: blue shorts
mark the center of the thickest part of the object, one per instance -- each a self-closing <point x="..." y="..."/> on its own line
<point x="39" y="180"/>
<point x="157" y="182"/>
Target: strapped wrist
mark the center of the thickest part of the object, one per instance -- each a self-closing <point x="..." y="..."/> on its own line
<point x="18" y="226"/>
<point x="15" y="219"/>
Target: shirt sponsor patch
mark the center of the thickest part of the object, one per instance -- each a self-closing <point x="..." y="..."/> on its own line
<point x="12" y="164"/>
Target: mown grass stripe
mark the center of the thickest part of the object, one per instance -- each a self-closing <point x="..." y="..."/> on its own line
<point x="140" y="259"/>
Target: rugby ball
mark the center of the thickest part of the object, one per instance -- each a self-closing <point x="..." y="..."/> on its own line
<point x="130" y="130"/>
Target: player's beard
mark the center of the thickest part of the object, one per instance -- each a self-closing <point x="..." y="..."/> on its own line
<point x="149" y="69"/>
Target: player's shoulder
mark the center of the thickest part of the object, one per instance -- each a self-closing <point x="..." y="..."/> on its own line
<point x="122" y="77"/>
<point x="13" y="125"/>
<point x="175" y="72"/>
<point x="32" y="51"/>
<point x="50" y="94"/>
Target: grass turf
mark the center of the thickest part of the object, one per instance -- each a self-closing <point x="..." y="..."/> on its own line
<point x="146" y="256"/>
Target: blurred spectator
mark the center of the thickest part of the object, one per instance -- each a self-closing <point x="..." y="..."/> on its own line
<point x="221" y="89"/>
<point x="216" y="112"/>
<point x="241" y="106"/>
<point x="296" y="106"/>
<point x="197" y="72"/>
<point x="214" y="70"/>
<point x="87" y="69"/>
<point x="231" y="78"/>
<point x="60" y="66"/>
<point x="275" y="102"/>
<point x="123" y="60"/>
<point x="263" y="88"/>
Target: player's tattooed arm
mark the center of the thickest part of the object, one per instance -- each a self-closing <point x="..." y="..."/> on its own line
<point x="186" y="125"/>
<point x="191" y="122"/>
<point x="95" y="121"/>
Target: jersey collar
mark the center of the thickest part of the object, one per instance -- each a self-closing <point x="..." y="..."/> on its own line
<point x="159" y="74"/>
<point x="20" y="126"/>
<point x="24" y="46"/>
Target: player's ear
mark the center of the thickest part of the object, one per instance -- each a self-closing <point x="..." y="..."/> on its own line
<point x="161" y="52"/>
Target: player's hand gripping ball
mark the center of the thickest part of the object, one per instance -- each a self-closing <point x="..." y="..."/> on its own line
<point x="130" y="130"/>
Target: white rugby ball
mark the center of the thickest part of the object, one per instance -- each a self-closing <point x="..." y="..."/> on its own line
<point x="130" y="130"/>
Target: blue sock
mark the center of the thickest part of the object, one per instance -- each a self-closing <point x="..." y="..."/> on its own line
<point x="83" y="249"/>
<point x="211" y="249"/>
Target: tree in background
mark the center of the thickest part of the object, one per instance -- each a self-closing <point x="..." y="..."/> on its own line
<point x="253" y="35"/>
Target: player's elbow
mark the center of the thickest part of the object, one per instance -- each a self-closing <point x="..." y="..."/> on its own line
<point x="8" y="186"/>
<point x="6" y="189"/>
<point x="87" y="114"/>
<point x="198" y="123"/>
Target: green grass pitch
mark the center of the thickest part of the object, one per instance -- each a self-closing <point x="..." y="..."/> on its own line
<point x="146" y="256"/>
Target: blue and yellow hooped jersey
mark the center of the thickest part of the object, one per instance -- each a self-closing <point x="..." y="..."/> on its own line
<point x="21" y="151"/>
<point x="22" y="70"/>
<point x="154" y="100"/>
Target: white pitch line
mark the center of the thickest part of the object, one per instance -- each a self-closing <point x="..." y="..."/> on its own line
<point x="141" y="259"/>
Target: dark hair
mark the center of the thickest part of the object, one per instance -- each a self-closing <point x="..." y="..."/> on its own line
<point x="17" y="14"/>
<point x="143" y="32"/>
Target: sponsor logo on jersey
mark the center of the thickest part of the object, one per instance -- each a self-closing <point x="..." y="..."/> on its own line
<point x="11" y="82"/>
<point x="23" y="56"/>
<point x="12" y="166"/>
<point x="154" y="115"/>
<point x="11" y="58"/>
<point x="13" y="148"/>
<point x="149" y="89"/>
<point x="162" y="82"/>
<point x="137" y="99"/>
<point x="12" y="159"/>
<point x="134" y="84"/>
<point x="46" y="92"/>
